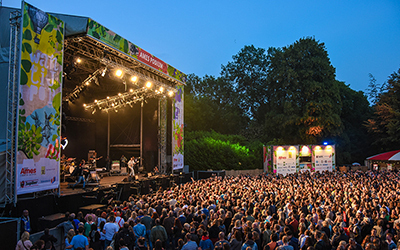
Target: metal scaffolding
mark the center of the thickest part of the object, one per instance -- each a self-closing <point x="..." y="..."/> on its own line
<point x="162" y="134"/>
<point x="12" y="105"/>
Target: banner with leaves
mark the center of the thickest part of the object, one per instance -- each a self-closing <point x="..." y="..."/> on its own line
<point x="107" y="36"/>
<point x="267" y="159"/>
<point x="39" y="107"/>
<point x="177" y="130"/>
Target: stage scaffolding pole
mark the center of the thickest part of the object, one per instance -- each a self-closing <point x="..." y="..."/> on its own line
<point x="108" y="135"/>
<point x="141" y="134"/>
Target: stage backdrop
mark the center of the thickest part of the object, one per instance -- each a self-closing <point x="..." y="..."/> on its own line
<point x="39" y="109"/>
<point x="286" y="159"/>
<point x="177" y="130"/>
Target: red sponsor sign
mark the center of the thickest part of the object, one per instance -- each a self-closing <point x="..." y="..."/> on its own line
<point x="152" y="61"/>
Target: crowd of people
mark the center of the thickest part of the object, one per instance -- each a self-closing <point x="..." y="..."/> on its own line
<point x="307" y="211"/>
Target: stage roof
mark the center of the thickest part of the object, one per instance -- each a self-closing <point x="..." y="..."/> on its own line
<point x="388" y="156"/>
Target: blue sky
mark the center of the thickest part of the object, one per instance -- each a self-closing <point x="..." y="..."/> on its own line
<point x="361" y="37"/>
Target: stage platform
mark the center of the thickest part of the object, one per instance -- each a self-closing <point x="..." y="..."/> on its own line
<point x="105" y="182"/>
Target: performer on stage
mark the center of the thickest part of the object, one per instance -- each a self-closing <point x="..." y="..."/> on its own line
<point x="123" y="161"/>
<point x="94" y="159"/>
<point x="131" y="163"/>
<point x="78" y="171"/>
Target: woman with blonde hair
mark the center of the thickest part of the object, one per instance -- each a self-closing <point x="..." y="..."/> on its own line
<point x="24" y="243"/>
<point x="68" y="239"/>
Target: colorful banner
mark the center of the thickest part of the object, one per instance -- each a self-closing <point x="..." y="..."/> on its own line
<point x="323" y="158"/>
<point x="177" y="130"/>
<point x="107" y="36"/>
<point x="39" y="107"/>
<point x="286" y="159"/>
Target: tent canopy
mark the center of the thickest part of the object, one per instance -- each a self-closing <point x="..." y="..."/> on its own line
<point x="388" y="156"/>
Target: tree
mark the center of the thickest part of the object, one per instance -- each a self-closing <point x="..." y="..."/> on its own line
<point x="211" y="104"/>
<point x="247" y="75"/>
<point x="385" y="123"/>
<point x="303" y="96"/>
<point x="352" y="143"/>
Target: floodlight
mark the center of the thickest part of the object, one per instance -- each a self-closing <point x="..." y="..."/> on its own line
<point x="171" y="93"/>
<point x="118" y="73"/>
<point x="133" y="78"/>
<point x="148" y="84"/>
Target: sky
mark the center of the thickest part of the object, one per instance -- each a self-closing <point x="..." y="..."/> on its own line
<point x="361" y="36"/>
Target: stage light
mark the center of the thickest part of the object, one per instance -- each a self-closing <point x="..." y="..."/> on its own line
<point x="84" y="105"/>
<point x="133" y="79"/>
<point x="119" y="94"/>
<point x="95" y="101"/>
<point x="325" y="143"/>
<point x="87" y="83"/>
<point x="171" y="93"/>
<point x="78" y="60"/>
<point x="94" y="111"/>
<point x="148" y="84"/>
<point x="161" y="89"/>
<point x="108" y="97"/>
<point x="131" y="90"/>
<point x="112" y="104"/>
<point x="118" y="73"/>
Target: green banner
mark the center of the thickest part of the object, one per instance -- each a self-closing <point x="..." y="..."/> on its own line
<point x="39" y="107"/>
<point x="107" y="36"/>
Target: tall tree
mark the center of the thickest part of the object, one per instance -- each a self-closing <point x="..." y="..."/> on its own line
<point x="303" y="95"/>
<point x="211" y="104"/>
<point x="247" y="74"/>
<point x="385" y="123"/>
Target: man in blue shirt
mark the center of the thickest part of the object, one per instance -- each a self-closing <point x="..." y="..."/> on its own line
<point x="190" y="245"/>
<point x="79" y="240"/>
<point x="110" y="228"/>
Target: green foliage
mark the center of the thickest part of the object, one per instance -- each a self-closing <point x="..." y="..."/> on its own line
<point x="29" y="139"/>
<point x="212" y="150"/>
<point x="303" y="96"/>
<point x="384" y="125"/>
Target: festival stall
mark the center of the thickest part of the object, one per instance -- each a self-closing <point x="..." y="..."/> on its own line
<point x="290" y="159"/>
<point x="385" y="161"/>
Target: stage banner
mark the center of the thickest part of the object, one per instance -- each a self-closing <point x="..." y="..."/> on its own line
<point x="267" y="159"/>
<point x="114" y="40"/>
<point x="177" y="130"/>
<point x="286" y="159"/>
<point x="40" y="84"/>
<point x="323" y="158"/>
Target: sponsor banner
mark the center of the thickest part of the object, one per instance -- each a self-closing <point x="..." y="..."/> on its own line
<point x="39" y="108"/>
<point x="107" y="36"/>
<point x="177" y="130"/>
<point x="286" y="159"/>
<point x="323" y="158"/>
<point x="37" y="176"/>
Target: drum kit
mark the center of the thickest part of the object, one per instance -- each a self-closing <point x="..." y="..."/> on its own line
<point x="89" y="170"/>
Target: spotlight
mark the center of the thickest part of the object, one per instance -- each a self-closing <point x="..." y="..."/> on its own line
<point x="325" y="143"/>
<point x="84" y="105"/>
<point x="87" y="83"/>
<point x="94" y="111"/>
<point x="133" y="79"/>
<point x="119" y="94"/>
<point x="148" y="84"/>
<point x="95" y="100"/>
<point x="161" y="89"/>
<point x="108" y="97"/>
<point x="171" y="93"/>
<point x="118" y="73"/>
<point x="78" y="60"/>
<point x="131" y="90"/>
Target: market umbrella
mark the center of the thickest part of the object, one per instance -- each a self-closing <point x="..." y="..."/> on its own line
<point x="388" y="156"/>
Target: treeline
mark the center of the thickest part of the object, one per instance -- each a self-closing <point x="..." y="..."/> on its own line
<point x="286" y="95"/>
